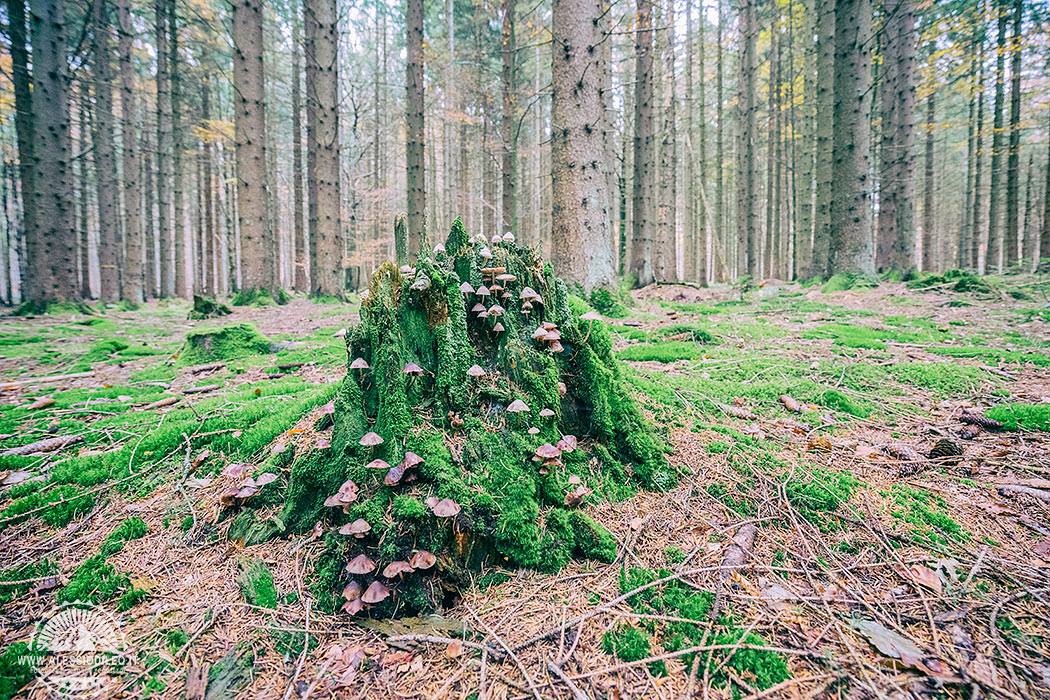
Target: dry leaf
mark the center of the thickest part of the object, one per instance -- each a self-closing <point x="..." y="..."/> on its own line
<point x="923" y="576"/>
<point x="454" y="649"/>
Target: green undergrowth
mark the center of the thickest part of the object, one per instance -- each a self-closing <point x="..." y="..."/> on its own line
<point x="97" y="581"/>
<point x="224" y="343"/>
<point x="648" y="636"/>
<point x="260" y="297"/>
<point x="611" y="303"/>
<point x="16" y="668"/>
<point x="21" y="579"/>
<point x="817" y="494"/>
<point x="993" y="355"/>
<point x="1022" y="416"/>
<point x="206" y="307"/>
<point x="256" y="582"/>
<point x="867" y="337"/>
<point x="943" y="378"/>
<point x="514" y="511"/>
<point x="925" y="515"/>
<point x="953" y="280"/>
<point x="843" y="281"/>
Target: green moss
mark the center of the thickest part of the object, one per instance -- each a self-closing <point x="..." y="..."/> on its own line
<point x="819" y="493"/>
<point x="759" y="668"/>
<point x="838" y="401"/>
<point x="1022" y="416"/>
<point x="843" y="281"/>
<point x="175" y="640"/>
<point x="944" y="378"/>
<point x="994" y="355"/>
<point x="609" y="302"/>
<point x="674" y="555"/>
<point x="223" y="343"/>
<point x="96" y="580"/>
<point x="737" y="503"/>
<point x="23" y="576"/>
<point x="256" y="582"/>
<point x="926" y="515"/>
<point x="16" y="668"/>
<point x="628" y="643"/>
<point x="260" y="297"/>
<point x="954" y="280"/>
<point x="59" y="505"/>
<point x="666" y="351"/>
<point x="206" y="307"/>
<point x="291" y="644"/>
<point x="591" y="540"/>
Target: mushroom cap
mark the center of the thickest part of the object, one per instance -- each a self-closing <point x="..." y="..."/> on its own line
<point x="496" y="238"/>
<point x="475" y="371"/>
<point x="498" y="328"/>
<point x="533" y="430"/>
<point x="406" y="269"/>
<point x="412" y="369"/>
<point x="517" y="406"/>
<point x="264" y="479"/>
<point x="439" y="248"/>
<point x="496" y="310"/>
<point x="556" y="346"/>
<point x="528" y="294"/>
<point x="411" y="459"/>
<point x="508" y="237"/>
<point x="547" y="451"/>
<point x="495" y="270"/>
<point x="376" y="592"/>
<point x="359" y="363"/>
<point x="576" y="496"/>
<point x="422" y="559"/>
<point x="548" y="326"/>
<point x="353" y="606"/>
<point x="347" y="493"/>
<point x="591" y="316"/>
<point x="539" y="334"/>
<point x="377" y="464"/>
<point x="352" y="591"/>
<point x="546" y="413"/>
<point x="466" y="288"/>
<point x="552" y="335"/>
<point x="396" y="568"/>
<point x="394" y="476"/>
<point x="506" y="277"/>
<point x="575" y="480"/>
<point x="526" y="306"/>
<point x="478" y="308"/>
<point x="485" y="253"/>
<point x="371" y="439"/>
<point x="562" y="389"/>
<point x="482" y="291"/>
<point x="567" y="443"/>
<point x="360" y="564"/>
<point x="358" y="528"/>
<point x="483" y="314"/>
<point x="444" y="508"/>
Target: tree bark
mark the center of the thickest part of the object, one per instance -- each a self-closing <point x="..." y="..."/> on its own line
<point x="978" y="249"/>
<point x="747" y="195"/>
<point x="642" y="223"/>
<point x="1011" y="238"/>
<point x="133" y="289"/>
<point x="665" y="260"/>
<point x="250" y="138"/>
<point x="851" y="244"/>
<point x="326" y="263"/>
<point x="165" y="223"/>
<point x="414" y="147"/>
<point x="181" y="286"/>
<point x="16" y="17"/>
<point x="509" y="117"/>
<point x="105" y="156"/>
<point x="301" y="281"/>
<point x="994" y="257"/>
<point x="929" y="235"/>
<point x="820" y="257"/>
<point x="581" y="245"/>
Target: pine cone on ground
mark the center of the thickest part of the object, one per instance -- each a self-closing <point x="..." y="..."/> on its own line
<point x="979" y="419"/>
<point x="947" y="451"/>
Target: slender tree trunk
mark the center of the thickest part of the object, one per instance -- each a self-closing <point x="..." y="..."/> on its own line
<point x="642" y="224"/>
<point x="967" y="232"/>
<point x="509" y="117"/>
<point x="766" y="256"/>
<point x="582" y="247"/>
<point x="149" y="227"/>
<point x="133" y="288"/>
<point x="1044" y="234"/>
<point x="747" y="194"/>
<point x="52" y="269"/>
<point x="994" y="258"/>
<point x="1011" y="247"/>
<point x="721" y="230"/>
<point x="851" y="244"/>
<point x="16" y="16"/>
<point x="181" y="258"/>
<point x="665" y="259"/>
<point x="414" y="147"/>
<point x="301" y="281"/>
<point x="1028" y="250"/>
<point x="978" y="243"/>
<point x="929" y="236"/>
<point x="165" y="223"/>
<point x="209" y="247"/>
<point x="105" y="156"/>
<point x="326" y="263"/>
<point x="820" y="259"/>
<point x="805" y="209"/>
<point x="250" y="136"/>
<point x="82" y="216"/>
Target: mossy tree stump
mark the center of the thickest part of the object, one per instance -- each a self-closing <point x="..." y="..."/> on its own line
<point x="497" y="400"/>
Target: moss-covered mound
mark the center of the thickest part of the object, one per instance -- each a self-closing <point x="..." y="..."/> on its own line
<point x="223" y="343"/>
<point x="481" y="411"/>
<point x="206" y="307"/>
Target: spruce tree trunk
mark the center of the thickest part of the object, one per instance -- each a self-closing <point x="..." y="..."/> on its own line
<point x="929" y="237"/>
<point x="721" y="230"/>
<point x="301" y="281"/>
<point x="210" y="243"/>
<point x="824" y="138"/>
<point x="250" y="137"/>
<point x="165" y="222"/>
<point x="105" y="156"/>
<point x="851" y="245"/>
<point x="53" y="265"/>
<point x="414" y="146"/>
<point x="82" y="217"/>
<point x="180" y="255"/>
<point x="807" y="137"/>
<point x="1044" y="234"/>
<point x="16" y="23"/>
<point x="978" y="244"/>
<point x="747" y="194"/>
<point x="994" y="256"/>
<point x="1027" y="244"/>
<point x="581" y="242"/>
<point x="642" y="223"/>
<point x="509" y="117"/>
<point x="326" y="262"/>
<point x="1011" y="239"/>
<point x="665" y="260"/>
<point x="149" y="228"/>
<point x="963" y="259"/>
<point x="133" y="289"/>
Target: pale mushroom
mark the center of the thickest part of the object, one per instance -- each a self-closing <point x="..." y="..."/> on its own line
<point x="546" y="413"/>
<point x="412" y="369"/>
<point x="371" y="439"/>
<point x="359" y="363"/>
<point x="444" y="508"/>
<point x="359" y="528"/>
<point x="422" y="559"/>
<point x="377" y="464"/>
<point x="396" y="568"/>
<point x="376" y="593"/>
<point x="466" y="288"/>
<point x="359" y="565"/>
<point x="517" y="406"/>
<point x="498" y="328"/>
<point x="475" y="371"/>
<point x="567" y="443"/>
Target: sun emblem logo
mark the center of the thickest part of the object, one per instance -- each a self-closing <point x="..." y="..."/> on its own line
<point x="75" y="648"/>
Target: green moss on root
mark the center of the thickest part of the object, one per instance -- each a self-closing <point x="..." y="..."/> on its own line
<point x="224" y="343"/>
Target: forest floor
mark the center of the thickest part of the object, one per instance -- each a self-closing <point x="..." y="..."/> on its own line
<point x="875" y="569"/>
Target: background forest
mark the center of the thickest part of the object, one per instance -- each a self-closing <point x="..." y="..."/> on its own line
<point x="166" y="148"/>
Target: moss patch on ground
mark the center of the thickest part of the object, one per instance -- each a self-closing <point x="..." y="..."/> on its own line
<point x="224" y="343"/>
<point x="97" y="581"/>
<point x="1022" y="416"/>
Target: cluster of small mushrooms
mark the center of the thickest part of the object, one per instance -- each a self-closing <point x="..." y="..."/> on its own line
<point x="246" y="488"/>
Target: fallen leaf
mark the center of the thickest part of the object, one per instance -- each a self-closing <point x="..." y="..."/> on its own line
<point x="923" y="576"/>
<point x="889" y="642"/>
<point x="454" y="649"/>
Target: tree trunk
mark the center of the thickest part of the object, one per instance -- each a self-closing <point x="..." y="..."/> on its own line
<point x="210" y="243"/>
<point x="665" y="260"/>
<point x="929" y="236"/>
<point x="994" y="257"/>
<point x="52" y="267"/>
<point x="105" y="156"/>
<point x="979" y="249"/>
<point x="301" y="281"/>
<point x="1028" y="249"/>
<point x="180" y="279"/>
<point x="820" y="258"/>
<point x="509" y="118"/>
<point x="16" y="16"/>
<point x="82" y="214"/>
<point x="149" y="227"/>
<point x="1011" y="248"/>
<point x="642" y="223"/>
<point x="414" y="146"/>
<point x="581" y="246"/>
<point x="165" y="223"/>
<point x="966" y="232"/>
<point x="851" y="244"/>
<point x="133" y="288"/>
<point x="747" y="193"/>
<point x="720" y="208"/>
<point x="1044" y="234"/>
<point x="250" y="137"/>
<point x="326" y="262"/>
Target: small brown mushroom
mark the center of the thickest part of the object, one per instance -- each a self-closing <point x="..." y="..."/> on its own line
<point x="371" y="439"/>
<point x="517" y="406"/>
<point x="483" y="291"/>
<point x="533" y="430"/>
<point x="347" y="493"/>
<point x="546" y="452"/>
<point x="576" y="496"/>
<point x="567" y="443"/>
<point x="498" y="328"/>
<point x="264" y="479"/>
<point x="475" y="371"/>
<point x="422" y="559"/>
<point x="507" y="237"/>
<point x="353" y="606"/>
<point x="360" y="565"/>
<point x="546" y="413"/>
<point x="359" y="363"/>
<point x="352" y="591"/>
<point x="377" y="592"/>
<point x="394" y="476"/>
<point x="485" y="253"/>
<point x="411" y="459"/>
<point x="396" y="568"/>
<point x="412" y="369"/>
<point x="539" y="334"/>
<point x="377" y="464"/>
<point x="556" y="346"/>
<point x="506" y="277"/>
<point x="444" y="508"/>
<point x="591" y="316"/>
<point x="496" y="310"/>
<point x="359" y="528"/>
<point x="552" y="335"/>
<point x="477" y="308"/>
<point x="466" y="288"/>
